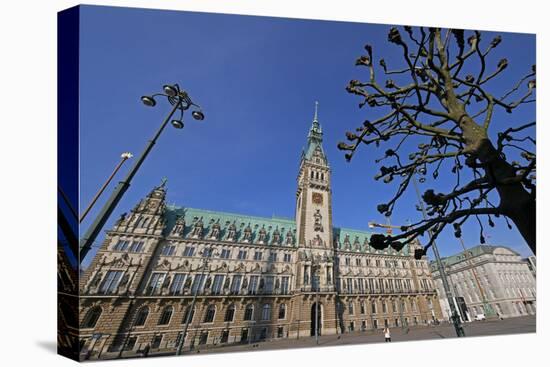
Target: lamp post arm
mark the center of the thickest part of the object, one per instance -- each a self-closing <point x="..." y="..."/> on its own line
<point x="89" y="237"/>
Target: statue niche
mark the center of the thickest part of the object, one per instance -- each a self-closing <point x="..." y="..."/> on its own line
<point x="317" y="226"/>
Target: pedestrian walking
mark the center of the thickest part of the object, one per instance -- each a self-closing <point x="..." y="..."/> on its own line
<point x="387" y="334"/>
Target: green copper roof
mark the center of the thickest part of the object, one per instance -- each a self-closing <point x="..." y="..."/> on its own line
<point x="270" y="226"/>
<point x="355" y="240"/>
<point x="314" y="138"/>
<point x="345" y="239"/>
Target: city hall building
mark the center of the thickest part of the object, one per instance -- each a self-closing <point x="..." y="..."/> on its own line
<point x="165" y="270"/>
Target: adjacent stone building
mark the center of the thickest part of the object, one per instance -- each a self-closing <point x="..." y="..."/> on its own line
<point x="494" y="275"/>
<point x="232" y="278"/>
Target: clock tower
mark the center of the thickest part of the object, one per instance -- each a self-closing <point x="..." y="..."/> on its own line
<point x="314" y="212"/>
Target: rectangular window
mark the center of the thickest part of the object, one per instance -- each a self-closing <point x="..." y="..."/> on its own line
<point x="137" y="246"/>
<point x="287" y="258"/>
<point x="284" y="285"/>
<point x="361" y="283"/>
<point x="217" y="284"/>
<point x="373" y="308"/>
<point x="242" y="255"/>
<point x="253" y="284"/>
<point x="188" y="251"/>
<point x="225" y="254"/>
<point x="225" y="336"/>
<point x="236" y="284"/>
<point x="203" y="337"/>
<point x="280" y="332"/>
<point x="177" y="284"/>
<point x="258" y="255"/>
<point x="350" y="285"/>
<point x="155" y="283"/>
<point x="268" y="288"/>
<point x="358" y="262"/>
<point x="168" y="250"/>
<point x="273" y="257"/>
<point x="381" y="285"/>
<point x="157" y="339"/>
<point x="348" y="261"/>
<point x="131" y="343"/>
<point x="110" y="282"/>
<point x="207" y="252"/>
<point x="121" y="245"/>
<point x="198" y="283"/>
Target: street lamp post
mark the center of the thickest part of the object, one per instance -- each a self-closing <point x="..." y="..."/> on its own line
<point x="486" y="306"/>
<point x="181" y="102"/>
<point x="124" y="157"/>
<point x="208" y="252"/>
<point x="454" y="314"/>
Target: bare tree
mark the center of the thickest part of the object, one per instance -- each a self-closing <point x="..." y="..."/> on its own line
<point x="449" y="113"/>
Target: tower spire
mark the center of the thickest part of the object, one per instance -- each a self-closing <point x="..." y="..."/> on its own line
<point x="315" y="136"/>
<point x="315" y="119"/>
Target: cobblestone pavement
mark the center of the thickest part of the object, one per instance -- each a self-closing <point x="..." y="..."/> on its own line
<point x="517" y="325"/>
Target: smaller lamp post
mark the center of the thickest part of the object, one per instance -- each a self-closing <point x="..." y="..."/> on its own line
<point x="124" y="157"/>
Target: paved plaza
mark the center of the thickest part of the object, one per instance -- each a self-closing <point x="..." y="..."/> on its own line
<point x="517" y="325"/>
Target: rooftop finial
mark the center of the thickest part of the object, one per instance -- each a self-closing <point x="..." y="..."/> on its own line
<point x="316" y="108"/>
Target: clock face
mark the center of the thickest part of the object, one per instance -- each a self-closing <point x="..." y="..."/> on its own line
<point x="317" y="198"/>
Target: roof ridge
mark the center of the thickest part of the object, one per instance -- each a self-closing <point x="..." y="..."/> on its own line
<point x="219" y="212"/>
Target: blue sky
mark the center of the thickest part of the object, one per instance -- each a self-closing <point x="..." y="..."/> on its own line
<point x="257" y="79"/>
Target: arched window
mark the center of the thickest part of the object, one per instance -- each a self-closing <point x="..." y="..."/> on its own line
<point x="91" y="317"/>
<point x="266" y="312"/>
<point x="142" y="316"/>
<point x="145" y="222"/>
<point x="322" y="176"/>
<point x="210" y="313"/>
<point x="186" y="314"/>
<point x="230" y="314"/>
<point x="166" y="315"/>
<point x="248" y="312"/>
<point x="312" y="174"/>
<point x="317" y="175"/>
<point x="282" y="311"/>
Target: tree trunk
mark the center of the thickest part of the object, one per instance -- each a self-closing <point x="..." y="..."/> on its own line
<point x="515" y="201"/>
<point x="524" y="218"/>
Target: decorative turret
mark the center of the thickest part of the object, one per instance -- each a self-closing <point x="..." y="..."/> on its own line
<point x="148" y="215"/>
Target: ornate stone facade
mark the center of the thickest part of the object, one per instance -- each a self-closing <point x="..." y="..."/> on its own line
<point x="495" y="273"/>
<point x="241" y="279"/>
